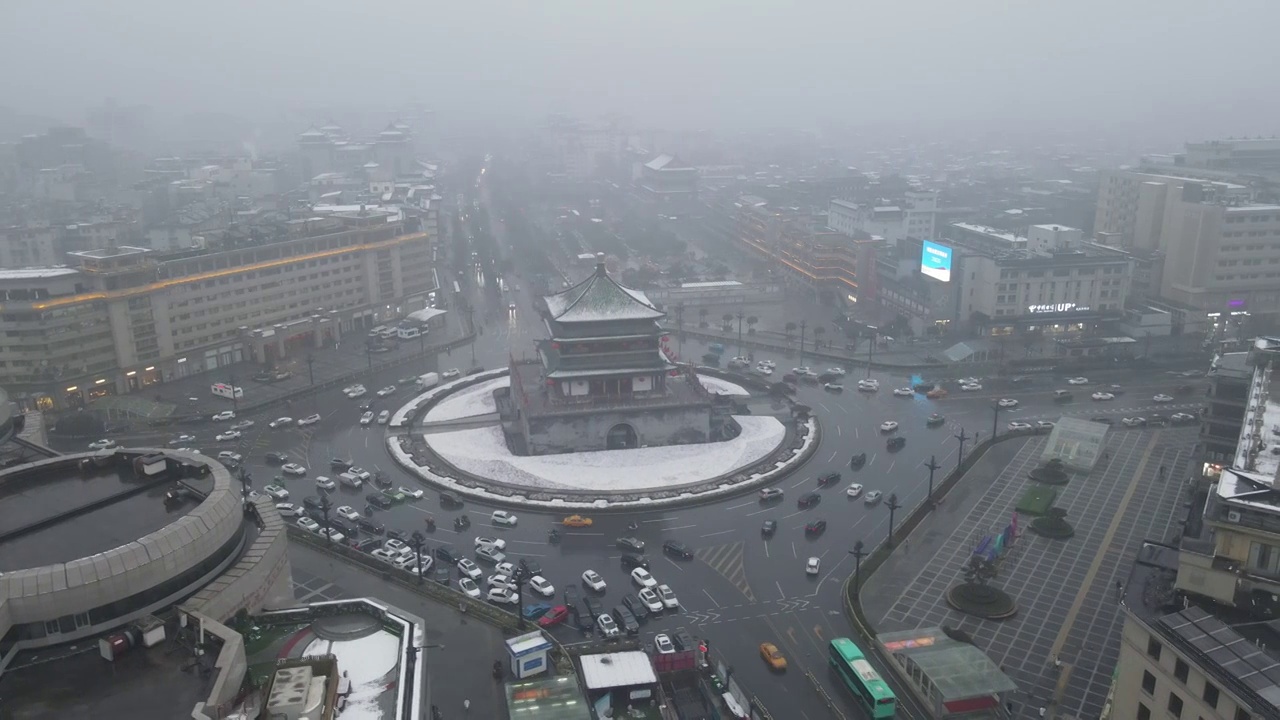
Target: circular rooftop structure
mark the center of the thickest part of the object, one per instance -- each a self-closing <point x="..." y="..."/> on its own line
<point x="91" y="540"/>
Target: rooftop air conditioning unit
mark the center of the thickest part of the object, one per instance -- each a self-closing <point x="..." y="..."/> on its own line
<point x="1233" y="516"/>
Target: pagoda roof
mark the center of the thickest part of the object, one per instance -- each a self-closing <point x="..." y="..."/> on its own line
<point x="600" y="299"/>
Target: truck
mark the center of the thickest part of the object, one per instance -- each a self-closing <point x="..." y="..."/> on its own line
<point x="429" y="380"/>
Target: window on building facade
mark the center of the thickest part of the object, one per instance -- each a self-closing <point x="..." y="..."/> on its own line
<point x="1210" y="695"/>
<point x="1175" y="705"/>
<point x="1180" y="670"/>
<point x="1148" y="682"/>
<point x="1144" y="712"/>
<point x="1153" y="648"/>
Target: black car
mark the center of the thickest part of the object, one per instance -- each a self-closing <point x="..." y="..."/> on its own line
<point x="311" y="502"/>
<point x="449" y="500"/>
<point x="631" y="561"/>
<point x="828" y="480"/>
<point x="447" y="554"/>
<point x="368" y="544"/>
<point x="769" y="528"/>
<point x="630" y="543"/>
<point x="858" y="461"/>
<point x="381" y="479"/>
<point x="571" y="595"/>
<point x="676" y="549"/>
<point x="683" y="640"/>
<point x="400" y="535"/>
<point x="636" y="607"/>
<point x="1103" y="420"/>
<point x="344" y="526"/>
<point x="276" y="458"/>
<point x="817" y="527"/>
<point x="263" y="377"/>
<point x="594" y="608"/>
<point x="626" y="620"/>
<point x="895" y="444"/>
<point x="339" y="464"/>
<point x="370" y="526"/>
<point x="586" y="620"/>
<point x="530" y="566"/>
<point x="808" y="500"/>
<point x="378" y="500"/>
<point x="1157" y="419"/>
<point x="441" y="574"/>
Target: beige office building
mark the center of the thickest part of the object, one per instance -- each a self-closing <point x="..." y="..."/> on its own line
<point x="125" y="318"/>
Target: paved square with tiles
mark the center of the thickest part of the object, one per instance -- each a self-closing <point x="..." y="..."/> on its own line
<point x="1065" y="590"/>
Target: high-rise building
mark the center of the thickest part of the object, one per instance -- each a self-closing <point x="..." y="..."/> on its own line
<point x="912" y="216"/>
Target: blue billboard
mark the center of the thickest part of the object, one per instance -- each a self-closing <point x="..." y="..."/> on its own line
<point x="935" y="261"/>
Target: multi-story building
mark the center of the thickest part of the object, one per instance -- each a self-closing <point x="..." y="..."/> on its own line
<point x="1199" y="637"/>
<point x="1131" y="205"/>
<point x="1050" y="281"/>
<point x="28" y="246"/>
<point x="124" y="317"/>
<point x="912" y="216"/>
<point x="667" y="180"/>
<point x="1229" y="379"/>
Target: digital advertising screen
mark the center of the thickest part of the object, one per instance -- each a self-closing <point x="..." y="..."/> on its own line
<point x="935" y="261"/>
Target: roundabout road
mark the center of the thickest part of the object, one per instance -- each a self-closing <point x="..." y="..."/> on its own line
<point x="741" y="588"/>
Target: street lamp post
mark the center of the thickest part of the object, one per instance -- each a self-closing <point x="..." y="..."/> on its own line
<point x="858" y="553"/>
<point x="235" y="403"/>
<point x="871" y="348"/>
<point x="521" y="577"/>
<point x="413" y="658"/>
<point x="802" y="325"/>
<point x="962" y="437"/>
<point x="933" y="465"/>
<point x="245" y="481"/>
<point x="893" y="505"/>
<point x="311" y="369"/>
<point x="740" y="315"/>
<point x="416" y="541"/>
<point x="995" y="419"/>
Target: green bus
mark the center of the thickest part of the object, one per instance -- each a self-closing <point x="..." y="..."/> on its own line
<point x="862" y="679"/>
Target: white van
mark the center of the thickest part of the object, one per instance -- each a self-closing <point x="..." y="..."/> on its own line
<point x="409" y="333"/>
<point x="377" y="332"/>
<point x="350" y="480"/>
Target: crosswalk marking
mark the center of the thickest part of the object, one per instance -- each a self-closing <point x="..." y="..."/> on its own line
<point x="728" y="561"/>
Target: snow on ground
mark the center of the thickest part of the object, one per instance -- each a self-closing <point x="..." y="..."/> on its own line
<point x="475" y="400"/>
<point x="722" y="387"/>
<point x="366" y="662"/>
<point x="482" y="452"/>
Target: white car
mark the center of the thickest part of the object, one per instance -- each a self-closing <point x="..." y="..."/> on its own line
<point x="503" y="596"/>
<point x="388" y="390"/>
<point x="662" y="643"/>
<point x="280" y="422"/>
<point x="383" y="417"/>
<point x="804" y="370"/>
<point x="293" y="469"/>
<point x="490" y="554"/>
<point x="396" y="546"/>
<point x="308" y="524"/>
<point x="769" y="364"/>
<point x="224" y="415"/>
<point x="325" y="483"/>
<point x="888" y="426"/>
<point x="359" y="472"/>
<point x="102" y="444"/>
<point x="347" y="512"/>
<point x="358" y="392"/>
<point x="366" y="418"/>
<point x="309" y="420"/>
<point x="288" y="510"/>
<point x="1078" y="381"/>
<point x="1044" y="425"/>
<point x="242" y="425"/>
<point x="812" y="566"/>
<point x="835" y="371"/>
<point x="870" y="385"/>
<point x="333" y="535"/>
<point x="1162" y="398"/>
<point x="385" y="555"/>
<point x="414" y="493"/>
<point x="505" y="568"/>
<point x="502" y="517"/>
<point x="641" y="577"/>
<point x="183" y="440"/>
<point x="971" y="387"/>
<point x="1182" y="417"/>
<point x="771" y="493"/>
<point x="469" y="587"/>
<point x="651" y="600"/>
<point x="1007" y="403"/>
<point x="970" y="381"/>
<point x="592" y="580"/>
<point x="227" y="436"/>
<point x="873" y="497"/>
<point x="541" y="586"/>
<point x="1103" y="396"/>
<point x="276" y="492"/>
<point x="833" y="387"/>
<point x="498" y="543"/>
<point x="450" y="373"/>
<point x="903" y="392"/>
<point x="764" y="370"/>
<point x="1019" y="426"/>
<point x="853" y="490"/>
<point x="229" y="455"/>
<point x="500" y="580"/>
<point x="470" y="569"/>
<point x="668" y="596"/>
<point x="608" y="627"/>
<point x="1133" y="421"/>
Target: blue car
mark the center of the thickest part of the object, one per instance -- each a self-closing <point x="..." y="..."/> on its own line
<point x="536" y="611"/>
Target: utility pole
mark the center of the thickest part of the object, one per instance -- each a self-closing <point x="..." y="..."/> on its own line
<point x="802" y="324"/>
<point x="235" y="402"/>
<point x="933" y="466"/>
<point x="871" y="347"/>
<point x="995" y="419"/>
<point x="858" y="553"/>
<point x="962" y="437"/>
<point x="311" y="370"/>
<point x="893" y="505"/>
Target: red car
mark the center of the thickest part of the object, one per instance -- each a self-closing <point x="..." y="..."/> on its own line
<point x="554" y="616"/>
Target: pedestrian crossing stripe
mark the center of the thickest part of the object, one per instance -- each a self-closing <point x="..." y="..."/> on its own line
<point x="728" y="561"/>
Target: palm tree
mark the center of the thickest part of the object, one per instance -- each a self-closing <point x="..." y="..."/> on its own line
<point x="790" y="329"/>
<point x="751" y="324"/>
<point x="416" y="541"/>
<point x="325" y="506"/>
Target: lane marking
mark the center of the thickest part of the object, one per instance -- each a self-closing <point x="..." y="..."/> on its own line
<point x="721" y="532"/>
<point x="735" y="507"/>
<point x="713" y="600"/>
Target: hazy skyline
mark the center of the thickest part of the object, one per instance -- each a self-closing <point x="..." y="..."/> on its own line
<point x="1179" y="68"/>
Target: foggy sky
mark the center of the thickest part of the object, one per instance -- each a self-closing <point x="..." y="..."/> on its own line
<point x="1196" y="69"/>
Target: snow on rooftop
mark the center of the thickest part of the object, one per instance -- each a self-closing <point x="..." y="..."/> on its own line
<point x="619" y="669"/>
<point x="368" y="663"/>
<point x="483" y="452"/>
<point x="711" y="284"/>
<point x="475" y="400"/>
<point x="722" y="387"/>
<point x="425" y="314"/>
<point x="36" y="273"/>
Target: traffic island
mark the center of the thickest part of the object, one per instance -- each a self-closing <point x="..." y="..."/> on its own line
<point x="1053" y="525"/>
<point x="1052" y="472"/>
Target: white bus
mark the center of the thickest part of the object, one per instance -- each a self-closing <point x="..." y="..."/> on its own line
<point x="226" y="391"/>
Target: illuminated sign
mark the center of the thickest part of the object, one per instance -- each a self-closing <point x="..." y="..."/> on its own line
<point x="935" y="261"/>
<point x="908" y="644"/>
<point x="1057" y="308"/>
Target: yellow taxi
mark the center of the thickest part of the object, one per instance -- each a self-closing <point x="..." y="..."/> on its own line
<point x="772" y="656"/>
<point x="936" y="394"/>
<point x="577" y="521"/>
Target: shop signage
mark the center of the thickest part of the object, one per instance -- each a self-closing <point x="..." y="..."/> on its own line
<point x="1056" y="308"/>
